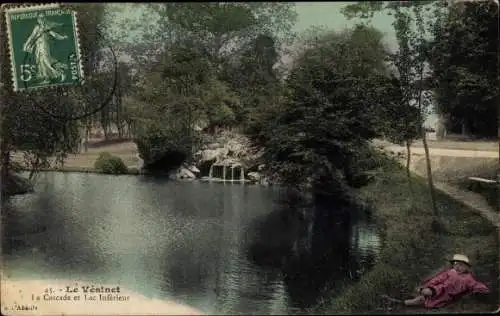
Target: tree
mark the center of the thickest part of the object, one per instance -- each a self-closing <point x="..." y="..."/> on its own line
<point x="330" y="111"/>
<point x="27" y="121"/>
<point x="464" y="62"/>
<point x="174" y="100"/>
<point x="220" y="27"/>
<point x="252" y="76"/>
<point x="401" y="125"/>
<point x="125" y="84"/>
<point x="410" y="61"/>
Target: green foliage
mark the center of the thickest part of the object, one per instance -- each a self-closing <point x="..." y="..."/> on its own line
<point x="464" y="61"/>
<point x="331" y="109"/>
<point x="167" y="105"/>
<point x="33" y="122"/>
<point x="220" y="27"/>
<point x="412" y="34"/>
<point x="222" y="105"/>
<point x="156" y="143"/>
<point x="206" y="65"/>
<point x="253" y="78"/>
<point x="460" y="44"/>
<point x="109" y="164"/>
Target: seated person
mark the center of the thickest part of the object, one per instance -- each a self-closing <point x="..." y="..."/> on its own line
<point x="446" y="286"/>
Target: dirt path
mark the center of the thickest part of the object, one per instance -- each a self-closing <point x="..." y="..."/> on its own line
<point x="474" y="201"/>
<point x="446" y="152"/>
<point x="460" y="145"/>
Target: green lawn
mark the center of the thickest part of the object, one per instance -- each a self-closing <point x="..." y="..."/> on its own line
<point x="412" y="249"/>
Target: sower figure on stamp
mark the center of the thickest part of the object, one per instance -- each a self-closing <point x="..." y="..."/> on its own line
<point x="38" y="43"/>
<point x="446" y="286"/>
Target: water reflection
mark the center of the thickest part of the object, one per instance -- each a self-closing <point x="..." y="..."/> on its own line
<point x="186" y="241"/>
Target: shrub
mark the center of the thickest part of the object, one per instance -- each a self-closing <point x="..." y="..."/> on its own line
<point x="166" y="148"/>
<point x="109" y="164"/>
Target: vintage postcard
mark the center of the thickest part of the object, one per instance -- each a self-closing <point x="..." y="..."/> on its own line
<point x="250" y="158"/>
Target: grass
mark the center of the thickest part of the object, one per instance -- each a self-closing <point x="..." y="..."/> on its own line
<point x="455" y="170"/>
<point x="84" y="161"/>
<point x="412" y="250"/>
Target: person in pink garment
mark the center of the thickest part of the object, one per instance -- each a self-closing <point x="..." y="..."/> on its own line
<point x="446" y="286"/>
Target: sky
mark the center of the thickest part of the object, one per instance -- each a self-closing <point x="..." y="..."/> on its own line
<point x="328" y="14"/>
<point x="321" y="14"/>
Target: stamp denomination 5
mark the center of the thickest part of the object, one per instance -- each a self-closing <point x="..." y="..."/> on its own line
<point x="44" y="46"/>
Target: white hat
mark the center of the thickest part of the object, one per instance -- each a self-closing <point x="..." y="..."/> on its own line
<point x="460" y="258"/>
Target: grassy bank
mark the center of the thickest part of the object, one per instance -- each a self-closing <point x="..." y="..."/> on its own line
<point x="412" y="249"/>
<point x="85" y="160"/>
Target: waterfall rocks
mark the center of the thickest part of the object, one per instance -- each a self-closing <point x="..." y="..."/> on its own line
<point x="254" y="176"/>
<point x="185" y="172"/>
<point x="227" y="156"/>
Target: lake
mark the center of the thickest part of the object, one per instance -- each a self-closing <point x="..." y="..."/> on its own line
<point x="204" y="244"/>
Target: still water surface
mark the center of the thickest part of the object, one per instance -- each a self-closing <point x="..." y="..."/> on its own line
<point x="187" y="241"/>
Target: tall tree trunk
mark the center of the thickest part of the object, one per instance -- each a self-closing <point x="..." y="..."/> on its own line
<point x="464" y="128"/>
<point x="129" y="129"/>
<point x="423" y="132"/>
<point x="429" y="173"/>
<point x="119" y="109"/>
<point x="105" y="131"/>
<point x="105" y="121"/>
<point x="408" y="172"/>
<point x="88" y="130"/>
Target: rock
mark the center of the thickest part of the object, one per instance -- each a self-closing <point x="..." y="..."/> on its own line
<point x="261" y="167"/>
<point x="254" y="176"/>
<point x="236" y="148"/>
<point x="227" y="148"/>
<point x="210" y="154"/>
<point x="193" y="169"/>
<point x="182" y="173"/>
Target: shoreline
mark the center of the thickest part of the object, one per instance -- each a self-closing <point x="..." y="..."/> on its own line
<point x="70" y="297"/>
<point x="137" y="172"/>
<point x="130" y="171"/>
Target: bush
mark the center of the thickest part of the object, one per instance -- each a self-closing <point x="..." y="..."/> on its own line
<point x="109" y="164"/>
<point x="166" y="148"/>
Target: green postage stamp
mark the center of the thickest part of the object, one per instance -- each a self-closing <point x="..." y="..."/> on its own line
<point x="44" y="46"/>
